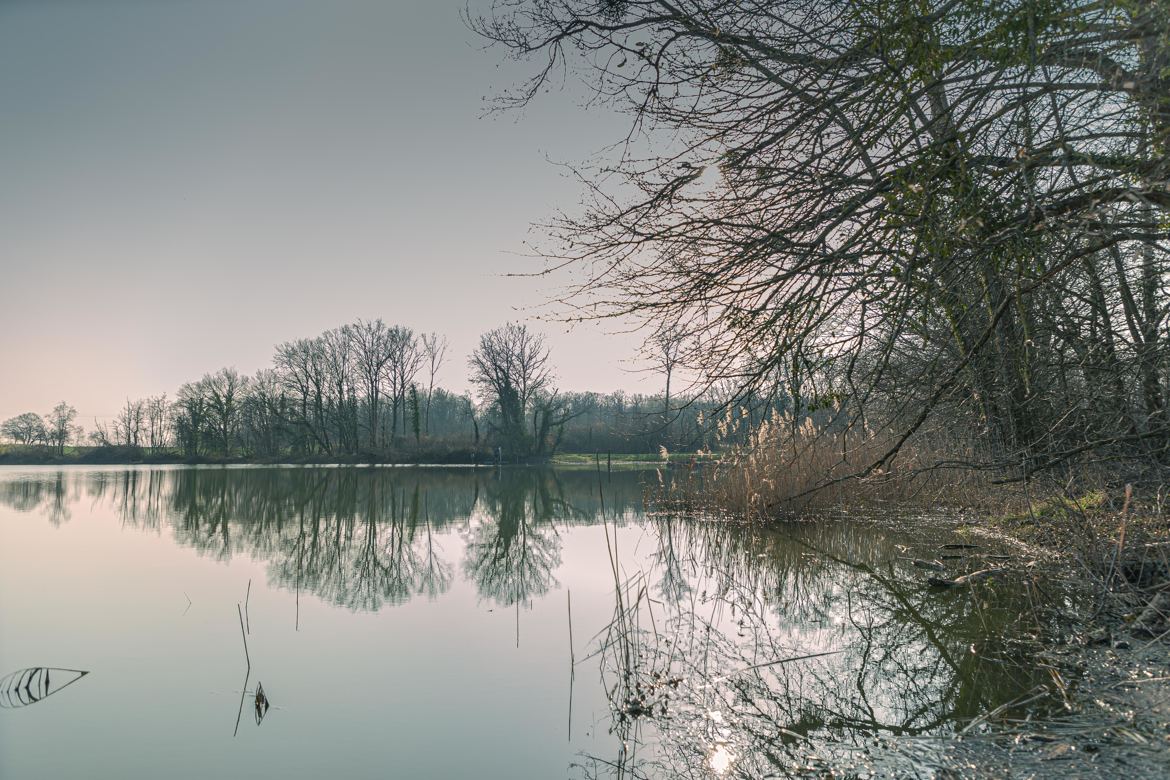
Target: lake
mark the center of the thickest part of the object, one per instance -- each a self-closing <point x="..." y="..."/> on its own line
<point x="512" y="623"/>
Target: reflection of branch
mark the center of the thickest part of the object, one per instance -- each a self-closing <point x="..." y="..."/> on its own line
<point x="244" y="637"/>
<point x="29" y="686"/>
<point x="243" y="692"/>
<point x="725" y="650"/>
<point x="512" y="558"/>
<point x="778" y="661"/>
<point x="927" y="628"/>
<point x="247" y="673"/>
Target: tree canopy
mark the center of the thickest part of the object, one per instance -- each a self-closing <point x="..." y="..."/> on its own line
<point x="938" y="210"/>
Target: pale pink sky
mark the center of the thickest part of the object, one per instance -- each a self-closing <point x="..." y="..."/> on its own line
<point x="185" y="184"/>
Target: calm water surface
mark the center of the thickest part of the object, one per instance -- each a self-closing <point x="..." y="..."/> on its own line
<point x="464" y="623"/>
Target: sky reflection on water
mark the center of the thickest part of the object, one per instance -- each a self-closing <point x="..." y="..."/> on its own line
<point x="416" y="623"/>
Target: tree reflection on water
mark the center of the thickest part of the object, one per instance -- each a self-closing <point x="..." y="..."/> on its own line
<point x="734" y="649"/>
<point x="799" y="649"/>
<point x="362" y="538"/>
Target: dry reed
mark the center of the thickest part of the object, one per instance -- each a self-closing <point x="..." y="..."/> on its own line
<point x="786" y="465"/>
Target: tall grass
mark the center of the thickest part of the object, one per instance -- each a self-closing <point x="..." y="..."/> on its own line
<point x="788" y="464"/>
<point x="1116" y="531"/>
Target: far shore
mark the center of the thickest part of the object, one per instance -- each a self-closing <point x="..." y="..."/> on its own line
<point x="135" y="456"/>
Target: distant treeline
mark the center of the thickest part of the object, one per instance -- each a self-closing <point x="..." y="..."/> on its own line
<point x="368" y="391"/>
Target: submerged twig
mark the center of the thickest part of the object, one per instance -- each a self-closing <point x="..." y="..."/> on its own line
<point x="778" y="661"/>
<point x="966" y="579"/>
<point x="1039" y="692"/>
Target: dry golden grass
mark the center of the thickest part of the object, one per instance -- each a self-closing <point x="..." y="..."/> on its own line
<point x="788" y="466"/>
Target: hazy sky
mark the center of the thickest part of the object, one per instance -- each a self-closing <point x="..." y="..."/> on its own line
<point x="186" y="183"/>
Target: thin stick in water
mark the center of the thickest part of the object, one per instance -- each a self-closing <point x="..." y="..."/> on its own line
<point x="244" y="636"/>
<point x="300" y="565"/>
<point x="777" y="662"/>
<point x="569" y="599"/>
<point x="243" y="692"/>
<point x="572" y="661"/>
<point x="247" y="598"/>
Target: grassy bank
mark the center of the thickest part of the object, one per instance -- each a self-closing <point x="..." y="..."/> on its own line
<point x="639" y="460"/>
<point x="1093" y="547"/>
<point x="1110" y="534"/>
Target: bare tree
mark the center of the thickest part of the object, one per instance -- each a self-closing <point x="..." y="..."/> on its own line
<point x="902" y="209"/>
<point x="128" y="424"/>
<point x="189" y="418"/>
<point x="373" y="341"/>
<point x="100" y="435"/>
<point x="510" y="367"/>
<point x="301" y="367"/>
<point x="267" y="414"/>
<point x="434" y="354"/>
<point x="157" y="421"/>
<point x="27" y="428"/>
<point x="59" y="427"/>
<point x="340" y="355"/>
<point x="665" y="348"/>
<point x="405" y="362"/>
<point x="473" y="416"/>
<point x="225" y="391"/>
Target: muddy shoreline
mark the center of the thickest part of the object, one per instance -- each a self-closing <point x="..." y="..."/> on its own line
<point x="1109" y="664"/>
